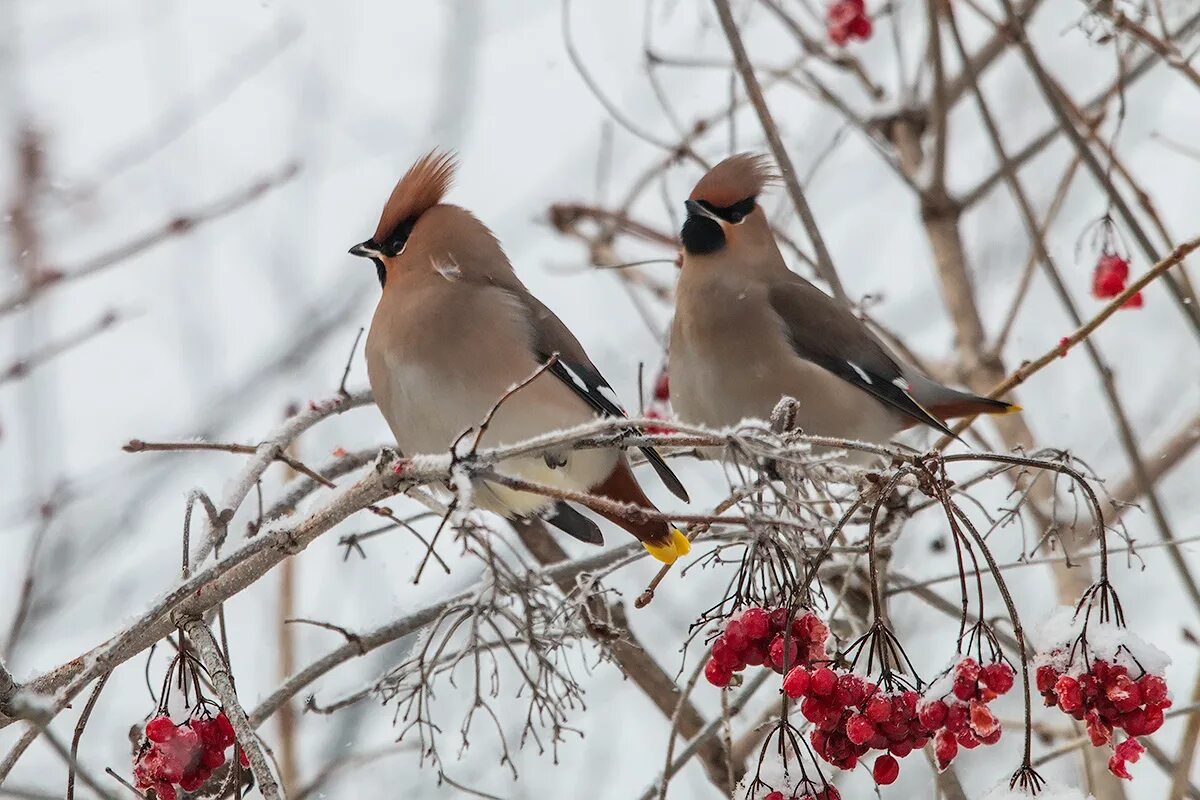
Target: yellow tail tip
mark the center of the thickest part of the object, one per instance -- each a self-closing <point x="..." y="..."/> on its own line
<point x="1013" y="408"/>
<point x="677" y="546"/>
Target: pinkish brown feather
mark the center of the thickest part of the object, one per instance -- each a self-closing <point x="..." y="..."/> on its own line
<point x="734" y="179"/>
<point x="421" y="188"/>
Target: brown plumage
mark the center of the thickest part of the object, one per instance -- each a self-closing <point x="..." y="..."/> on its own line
<point x="455" y="329"/>
<point x="734" y="179"/>
<point x="421" y="188"/>
<point x="748" y="331"/>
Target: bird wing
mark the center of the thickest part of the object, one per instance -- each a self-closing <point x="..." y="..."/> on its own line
<point x="825" y="332"/>
<point x="577" y="371"/>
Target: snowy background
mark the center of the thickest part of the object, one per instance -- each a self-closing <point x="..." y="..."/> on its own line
<point x="148" y="109"/>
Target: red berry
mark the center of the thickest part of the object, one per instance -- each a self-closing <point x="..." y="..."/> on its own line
<point x="1107" y="281"/>
<point x="775" y="795"/>
<point x="965" y="688"/>
<point x="851" y="690"/>
<point x="726" y="654"/>
<point x="823" y="681"/>
<point x="967" y="739"/>
<point x="755" y="655"/>
<point x="998" y="677"/>
<point x="1099" y="731"/>
<point x="160" y="729"/>
<point x="735" y="635"/>
<point x="756" y="622"/>
<point x="225" y="730"/>
<point x="886" y="770"/>
<point x="1153" y="688"/>
<point x="956" y="718"/>
<point x="1130" y="750"/>
<point x="814" y="710"/>
<point x="212" y="759"/>
<point x="879" y="709"/>
<point x="795" y="683"/>
<point x="1117" y="766"/>
<point x="967" y="669"/>
<point x="779" y="619"/>
<point x="165" y="791"/>
<point x="1123" y="693"/>
<point x="1070" y="696"/>
<point x="945" y="748"/>
<point x="243" y="759"/>
<point x="983" y="721"/>
<point x="933" y="714"/>
<point x="1153" y="720"/>
<point x="859" y="729"/>
<point x="783" y="652"/>
<point x="717" y="673"/>
<point x="1046" y="677"/>
<point x="901" y="749"/>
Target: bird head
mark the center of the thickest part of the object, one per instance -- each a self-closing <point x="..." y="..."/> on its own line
<point x="723" y="211"/>
<point x="421" y="189"/>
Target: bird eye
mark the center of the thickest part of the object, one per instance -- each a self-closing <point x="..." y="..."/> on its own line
<point x="739" y="210"/>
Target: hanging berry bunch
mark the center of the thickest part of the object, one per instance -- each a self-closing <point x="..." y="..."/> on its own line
<point x="955" y="705"/>
<point x="791" y="772"/>
<point x="1111" y="273"/>
<point x="846" y="20"/>
<point x="758" y="637"/>
<point x="183" y="756"/>
<point x="660" y="403"/>
<point x="1097" y="671"/>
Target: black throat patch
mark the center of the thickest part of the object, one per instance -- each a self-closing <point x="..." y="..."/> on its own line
<point x="702" y="235"/>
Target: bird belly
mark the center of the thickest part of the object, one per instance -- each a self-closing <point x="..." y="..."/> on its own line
<point x="583" y="470"/>
<point x="422" y="427"/>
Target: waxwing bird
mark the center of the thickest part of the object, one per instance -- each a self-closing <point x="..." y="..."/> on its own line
<point x="748" y="331"/>
<point x="455" y="330"/>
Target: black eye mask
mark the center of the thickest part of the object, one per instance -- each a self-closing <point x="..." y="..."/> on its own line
<point x="394" y="244"/>
<point x="734" y="213"/>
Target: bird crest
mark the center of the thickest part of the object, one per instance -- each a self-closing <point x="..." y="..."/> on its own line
<point x="421" y="188"/>
<point x="734" y="179"/>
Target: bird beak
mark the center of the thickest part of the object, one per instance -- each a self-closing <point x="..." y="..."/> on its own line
<point x="367" y="249"/>
<point x="694" y="209"/>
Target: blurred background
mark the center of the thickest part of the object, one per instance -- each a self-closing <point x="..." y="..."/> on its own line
<point x="180" y="183"/>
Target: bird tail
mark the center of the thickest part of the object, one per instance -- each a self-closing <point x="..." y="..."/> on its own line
<point x="970" y="405"/>
<point x="946" y="403"/>
<point x="661" y="539"/>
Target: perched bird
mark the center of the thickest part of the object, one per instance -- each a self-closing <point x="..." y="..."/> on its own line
<point x="748" y="331"/>
<point x="455" y="329"/>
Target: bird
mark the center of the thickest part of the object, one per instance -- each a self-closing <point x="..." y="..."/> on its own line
<point x="748" y="331"/>
<point x="455" y="330"/>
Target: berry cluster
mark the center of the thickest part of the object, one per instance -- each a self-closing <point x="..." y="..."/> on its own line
<point x="1107" y="697"/>
<point x="955" y="708"/>
<point x="846" y="20"/>
<point x="660" y="403"/>
<point x="183" y="754"/>
<point x="1101" y="673"/>
<point x="852" y="716"/>
<point x="1110" y="277"/>
<point x="758" y="637"/>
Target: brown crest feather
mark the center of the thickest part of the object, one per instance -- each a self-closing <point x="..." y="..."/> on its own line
<point x="734" y="179"/>
<point x="421" y="188"/>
